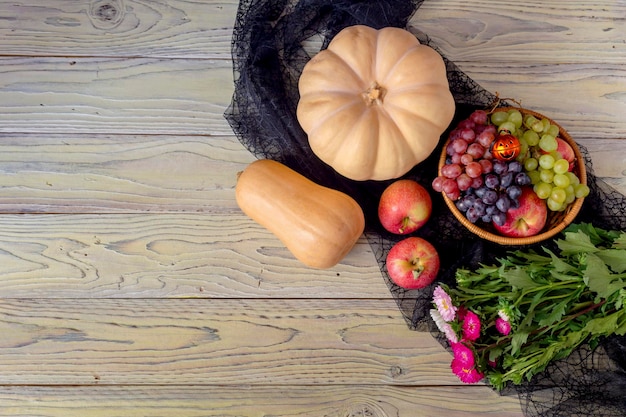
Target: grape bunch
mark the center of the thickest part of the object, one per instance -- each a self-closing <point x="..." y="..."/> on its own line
<point x="547" y="158"/>
<point x="482" y="187"/>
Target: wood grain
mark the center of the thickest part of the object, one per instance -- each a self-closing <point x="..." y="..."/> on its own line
<point x="152" y="255"/>
<point x="215" y="341"/>
<point x="115" y="95"/>
<point x="509" y="31"/>
<point x="58" y="173"/>
<point x="118" y="28"/>
<point x="255" y="401"/>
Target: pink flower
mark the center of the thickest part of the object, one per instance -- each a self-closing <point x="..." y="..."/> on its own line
<point x="503" y="326"/>
<point x="467" y="374"/>
<point x="444" y="304"/>
<point x="463" y="354"/>
<point x="471" y="326"/>
<point x="444" y="326"/>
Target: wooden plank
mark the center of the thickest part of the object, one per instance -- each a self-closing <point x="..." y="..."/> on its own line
<point x="128" y="173"/>
<point x="215" y="341"/>
<point x="120" y="28"/>
<point x="479" y="31"/>
<point x="103" y="174"/>
<point x="535" y="31"/>
<point x="189" y="97"/>
<point x="115" y="95"/>
<point x="167" y="255"/>
<point x="237" y="400"/>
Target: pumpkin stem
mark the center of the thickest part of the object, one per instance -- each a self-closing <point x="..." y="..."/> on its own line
<point x="374" y="94"/>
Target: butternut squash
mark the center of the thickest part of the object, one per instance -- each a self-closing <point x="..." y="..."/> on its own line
<point x="318" y="225"/>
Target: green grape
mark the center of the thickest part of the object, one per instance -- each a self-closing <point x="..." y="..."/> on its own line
<point x="499" y="117"/>
<point x="543" y="190"/>
<point x="558" y="194"/>
<point x="537" y="126"/>
<point x="581" y="190"/>
<point x="570" y="195"/>
<point x="548" y="143"/>
<point x="573" y="179"/>
<point x="560" y="180"/>
<point x="546" y="161"/>
<point x="515" y="117"/>
<point x="535" y="177"/>
<point x="546" y="175"/>
<point x="524" y="148"/>
<point x="529" y="121"/>
<point x="546" y="125"/>
<point x="531" y="137"/>
<point x="553" y="130"/>
<point x="507" y="126"/>
<point x="531" y="164"/>
<point x="560" y="166"/>
<point x="554" y="205"/>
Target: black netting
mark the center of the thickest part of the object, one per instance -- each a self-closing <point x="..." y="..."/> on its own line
<point x="271" y="45"/>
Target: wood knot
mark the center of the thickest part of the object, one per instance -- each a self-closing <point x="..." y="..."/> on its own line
<point x="366" y="408"/>
<point x="106" y="14"/>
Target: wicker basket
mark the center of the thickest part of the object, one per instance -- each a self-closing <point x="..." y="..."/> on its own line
<point x="556" y="222"/>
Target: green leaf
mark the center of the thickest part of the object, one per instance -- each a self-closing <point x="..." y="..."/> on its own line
<point x="621" y="330"/>
<point x="602" y="325"/>
<point x="555" y="314"/>
<point x="614" y="258"/>
<point x="559" y="264"/>
<point x="599" y="278"/>
<point x="518" y="339"/>
<point x="620" y="241"/>
<point x="576" y="242"/>
<point x="518" y="278"/>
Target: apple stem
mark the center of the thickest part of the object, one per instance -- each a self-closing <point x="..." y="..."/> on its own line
<point x="418" y="268"/>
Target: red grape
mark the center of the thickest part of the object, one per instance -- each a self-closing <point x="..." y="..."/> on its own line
<point x="468" y="135"/>
<point x="437" y="184"/>
<point x="464" y="181"/>
<point x="479" y="117"/>
<point x="476" y="150"/>
<point x="474" y="169"/>
<point x="451" y="170"/>
<point x="466" y="158"/>
<point x="459" y="145"/>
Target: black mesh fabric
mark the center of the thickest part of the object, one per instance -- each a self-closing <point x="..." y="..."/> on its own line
<point x="270" y="46"/>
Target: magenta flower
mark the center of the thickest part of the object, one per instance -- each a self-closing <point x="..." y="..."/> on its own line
<point x="471" y="326"/>
<point x="463" y="354"/>
<point x="503" y="326"/>
<point x="467" y="374"/>
<point x="444" y="304"/>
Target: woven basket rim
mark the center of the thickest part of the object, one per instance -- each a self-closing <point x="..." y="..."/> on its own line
<point x="569" y="214"/>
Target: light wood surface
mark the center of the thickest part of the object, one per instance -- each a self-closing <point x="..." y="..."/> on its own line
<point x="130" y="282"/>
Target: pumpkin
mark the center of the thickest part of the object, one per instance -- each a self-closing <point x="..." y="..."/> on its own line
<point x="317" y="224"/>
<point x="374" y="103"/>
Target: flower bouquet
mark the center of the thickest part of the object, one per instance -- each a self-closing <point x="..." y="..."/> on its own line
<point x="506" y="322"/>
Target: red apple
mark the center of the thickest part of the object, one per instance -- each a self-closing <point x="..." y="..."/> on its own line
<point x="413" y="263"/>
<point x="404" y="207"/>
<point x="526" y="220"/>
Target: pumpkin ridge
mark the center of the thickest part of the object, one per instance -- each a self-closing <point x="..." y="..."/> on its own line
<point x="330" y="115"/>
<point x="395" y="65"/>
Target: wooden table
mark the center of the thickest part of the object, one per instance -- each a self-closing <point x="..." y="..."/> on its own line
<point x="130" y="282"/>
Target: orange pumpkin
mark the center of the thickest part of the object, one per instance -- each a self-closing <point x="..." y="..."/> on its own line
<point x="375" y="102"/>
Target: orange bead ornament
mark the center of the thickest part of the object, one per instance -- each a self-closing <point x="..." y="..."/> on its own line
<point x="506" y="147"/>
